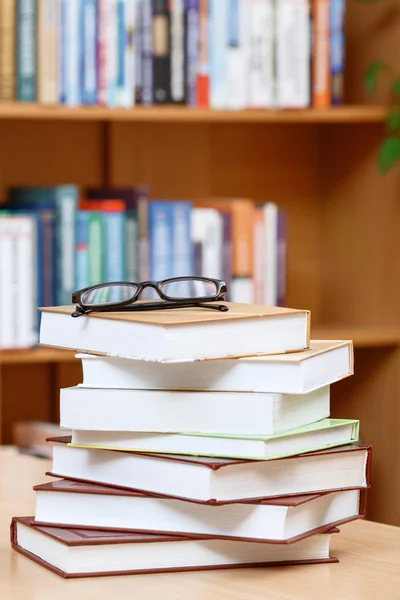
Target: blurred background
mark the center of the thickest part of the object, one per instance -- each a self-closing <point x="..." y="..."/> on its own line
<point x="252" y="141"/>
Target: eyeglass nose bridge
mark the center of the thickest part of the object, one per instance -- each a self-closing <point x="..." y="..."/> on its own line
<point x="149" y="284"/>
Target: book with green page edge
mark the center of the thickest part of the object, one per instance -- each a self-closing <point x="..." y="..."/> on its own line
<point x="321" y="435"/>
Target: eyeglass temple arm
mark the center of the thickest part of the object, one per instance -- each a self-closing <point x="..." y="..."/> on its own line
<point x="79" y="312"/>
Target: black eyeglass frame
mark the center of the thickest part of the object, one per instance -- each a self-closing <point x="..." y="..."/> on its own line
<point x="170" y="302"/>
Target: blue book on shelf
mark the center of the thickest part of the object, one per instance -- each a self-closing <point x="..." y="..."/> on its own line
<point x="70" y="52"/>
<point x="63" y="199"/>
<point x="82" y="268"/>
<point x="114" y="228"/>
<point x="161" y="244"/>
<point x="88" y="51"/>
<point x="183" y="255"/>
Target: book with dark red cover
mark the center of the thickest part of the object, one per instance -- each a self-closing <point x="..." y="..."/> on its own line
<point x="73" y="538"/>
<point x="76" y="487"/>
<point x="216" y="465"/>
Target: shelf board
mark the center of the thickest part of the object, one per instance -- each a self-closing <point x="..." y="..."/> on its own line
<point x="343" y="114"/>
<point x="35" y="355"/>
<point x="363" y="337"/>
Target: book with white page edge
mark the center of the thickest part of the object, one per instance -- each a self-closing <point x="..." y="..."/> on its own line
<point x="208" y="411"/>
<point x="185" y="333"/>
<point x="66" y="503"/>
<point x="292" y="373"/>
<point x="324" y="434"/>
<point x="211" y="479"/>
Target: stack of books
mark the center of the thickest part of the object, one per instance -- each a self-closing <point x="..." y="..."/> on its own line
<point x="206" y="430"/>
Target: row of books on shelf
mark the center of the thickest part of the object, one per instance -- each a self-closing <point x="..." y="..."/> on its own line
<point x="176" y="462"/>
<point x="224" y="54"/>
<point x="52" y="242"/>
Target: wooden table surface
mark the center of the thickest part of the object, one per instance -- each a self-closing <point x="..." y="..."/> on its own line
<point x="369" y="565"/>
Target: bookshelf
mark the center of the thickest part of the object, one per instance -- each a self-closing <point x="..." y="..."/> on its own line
<point x="343" y="241"/>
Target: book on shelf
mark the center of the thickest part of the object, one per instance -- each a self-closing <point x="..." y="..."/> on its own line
<point x="81" y="553"/>
<point x="222" y="54"/>
<point x="214" y="479"/>
<point x="65" y="503"/>
<point x="188" y="333"/>
<point x="292" y="373"/>
<point x="313" y="437"/>
<point x="211" y="412"/>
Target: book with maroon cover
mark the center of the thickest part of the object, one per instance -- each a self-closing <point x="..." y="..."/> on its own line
<point x="214" y="480"/>
<point x="280" y="520"/>
<point x="121" y="553"/>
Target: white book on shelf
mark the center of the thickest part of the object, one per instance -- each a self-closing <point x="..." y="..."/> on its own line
<point x="271" y="254"/>
<point x="107" y="411"/>
<point x="293" y="65"/>
<point x="207" y="232"/>
<point x="292" y="373"/>
<point x="260" y="15"/>
<point x="237" y="56"/>
<point x="126" y="87"/>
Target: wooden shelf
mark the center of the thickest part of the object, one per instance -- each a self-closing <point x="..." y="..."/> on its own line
<point x="345" y="114"/>
<point x="363" y="337"/>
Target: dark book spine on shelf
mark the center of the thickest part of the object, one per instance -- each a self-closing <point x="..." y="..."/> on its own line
<point x="147" y="52"/>
<point x="178" y="51"/>
<point x="337" y="50"/>
<point x="26" y="50"/>
<point x="161" y="52"/>
<point x="191" y="50"/>
<point x="227" y="250"/>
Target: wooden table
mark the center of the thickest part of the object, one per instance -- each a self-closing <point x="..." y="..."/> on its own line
<point x="369" y="565"/>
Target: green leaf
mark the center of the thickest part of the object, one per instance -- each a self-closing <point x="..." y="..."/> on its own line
<point x="389" y="153"/>
<point x="372" y="74"/>
<point x="393" y="120"/>
<point x="396" y="86"/>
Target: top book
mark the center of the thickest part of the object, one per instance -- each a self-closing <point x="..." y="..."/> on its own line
<point x="179" y="334"/>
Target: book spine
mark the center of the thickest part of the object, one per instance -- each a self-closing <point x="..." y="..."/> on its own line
<point x="292" y="53"/>
<point x="192" y="50"/>
<point x="132" y="246"/>
<point x="96" y="248"/>
<point x="259" y="256"/>
<point x="182" y="258"/>
<point x="62" y="52"/>
<point x="161" y="52"/>
<point x="48" y="61"/>
<point x="26" y="50"/>
<point x="126" y="54"/>
<point x="72" y="53"/>
<point x="112" y="52"/>
<point x="177" y="43"/>
<point x="82" y="250"/>
<point x="88" y="49"/>
<point x="48" y="256"/>
<point x="161" y="232"/>
<point x="144" y="236"/>
<point x="203" y="71"/>
<point x="7" y="49"/>
<point x="138" y="44"/>
<point x="337" y="50"/>
<point x="147" y="53"/>
<point x="237" y="64"/>
<point x="227" y="251"/>
<point x="281" y="257"/>
<point x="66" y="208"/>
<point x="6" y="299"/>
<point x="321" y="71"/>
<point x="260" y="16"/>
<point x="102" y="52"/>
<point x="271" y="254"/>
<point x="218" y="53"/>
<point x="26" y="298"/>
<point x="114" y="225"/>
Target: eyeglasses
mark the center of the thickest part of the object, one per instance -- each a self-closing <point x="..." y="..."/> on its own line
<point x="177" y="292"/>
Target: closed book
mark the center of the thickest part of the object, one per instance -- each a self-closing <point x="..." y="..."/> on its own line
<point x="207" y="236"/>
<point x="26" y="50"/>
<point x="107" y="411"/>
<point x="82" y="267"/>
<point x="161" y="52"/>
<point x="188" y="333"/>
<point x="281" y="520"/>
<point x="48" y="46"/>
<point x="218" y="52"/>
<point x="146" y="58"/>
<point x="182" y="251"/>
<point x="126" y="53"/>
<point x="271" y="218"/>
<point x="192" y="50"/>
<point x="260" y="22"/>
<point x="7" y="49"/>
<point x="102" y="56"/>
<point x="293" y="373"/>
<point x="337" y="50"/>
<point x="203" y="70"/>
<point x="178" y="58"/>
<point x="138" y="44"/>
<point x="321" y="55"/>
<point x="214" y="480"/>
<point x="71" y="52"/>
<point x="326" y="433"/>
<point x="237" y="56"/>
<point x="88" y="46"/>
<point x="81" y="553"/>
<point x="161" y="226"/>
